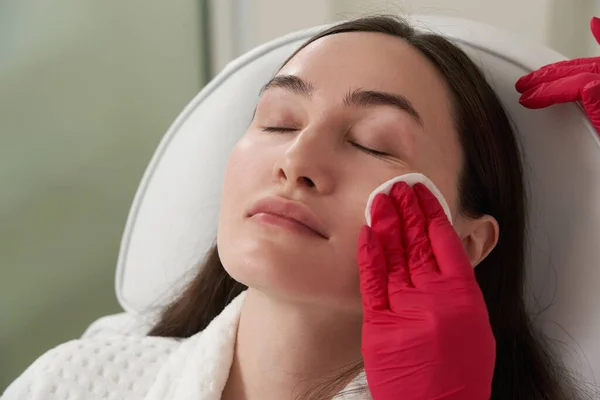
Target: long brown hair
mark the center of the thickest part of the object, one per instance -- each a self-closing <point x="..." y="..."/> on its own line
<point x="491" y="182"/>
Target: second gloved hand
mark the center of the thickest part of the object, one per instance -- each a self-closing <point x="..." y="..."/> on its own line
<point x="566" y="81"/>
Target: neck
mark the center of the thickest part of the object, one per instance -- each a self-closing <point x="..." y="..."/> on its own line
<point x="283" y="350"/>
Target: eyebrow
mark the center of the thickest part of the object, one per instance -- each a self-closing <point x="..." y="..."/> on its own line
<point x="358" y="97"/>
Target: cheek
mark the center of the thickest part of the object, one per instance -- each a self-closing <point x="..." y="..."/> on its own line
<point x="243" y="174"/>
<point x="351" y="219"/>
<point x="245" y="169"/>
<point x="243" y="162"/>
<point x="449" y="191"/>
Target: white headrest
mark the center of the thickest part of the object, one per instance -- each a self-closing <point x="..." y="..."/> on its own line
<point x="173" y="219"/>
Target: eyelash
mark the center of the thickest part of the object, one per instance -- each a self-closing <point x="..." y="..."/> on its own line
<point x="277" y="129"/>
<point x="373" y="152"/>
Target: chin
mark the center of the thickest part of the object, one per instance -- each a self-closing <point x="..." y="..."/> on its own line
<point x="293" y="273"/>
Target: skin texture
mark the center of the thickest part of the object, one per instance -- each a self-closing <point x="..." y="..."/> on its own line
<point x="303" y="305"/>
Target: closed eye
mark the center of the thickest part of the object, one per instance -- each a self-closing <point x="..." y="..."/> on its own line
<point x="278" y="129"/>
<point x="369" y="150"/>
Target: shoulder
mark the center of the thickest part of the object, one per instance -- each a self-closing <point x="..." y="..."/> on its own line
<point x="117" y="365"/>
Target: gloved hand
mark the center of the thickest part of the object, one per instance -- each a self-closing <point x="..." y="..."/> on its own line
<point x="566" y="81"/>
<point x="426" y="332"/>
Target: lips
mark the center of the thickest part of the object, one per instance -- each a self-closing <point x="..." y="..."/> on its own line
<point x="289" y="209"/>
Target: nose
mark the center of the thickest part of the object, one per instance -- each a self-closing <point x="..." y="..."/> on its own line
<point x="307" y="163"/>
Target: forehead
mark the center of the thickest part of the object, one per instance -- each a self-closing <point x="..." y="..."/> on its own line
<point x="371" y="61"/>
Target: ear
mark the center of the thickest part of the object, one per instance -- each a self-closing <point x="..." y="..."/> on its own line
<point x="479" y="237"/>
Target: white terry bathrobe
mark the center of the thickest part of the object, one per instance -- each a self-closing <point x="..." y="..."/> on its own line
<point x="137" y="367"/>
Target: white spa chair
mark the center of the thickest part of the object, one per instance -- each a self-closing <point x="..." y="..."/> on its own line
<point x="173" y="218"/>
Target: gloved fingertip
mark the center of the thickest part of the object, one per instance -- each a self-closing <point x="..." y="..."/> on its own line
<point x="400" y="187"/>
<point x="590" y="97"/>
<point x="365" y="234"/>
<point x="523" y="100"/>
<point x="365" y="239"/>
<point x="528" y="100"/>
<point x="405" y="201"/>
<point x="382" y="212"/>
<point x="521" y="84"/>
<point x="429" y="203"/>
<point x="400" y="190"/>
<point x="422" y="191"/>
<point x="595" y="28"/>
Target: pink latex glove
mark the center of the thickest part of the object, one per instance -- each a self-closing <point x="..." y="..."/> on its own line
<point x="566" y="81"/>
<point x="426" y="330"/>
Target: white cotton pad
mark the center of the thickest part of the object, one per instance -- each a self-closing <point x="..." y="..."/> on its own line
<point x="410" y="179"/>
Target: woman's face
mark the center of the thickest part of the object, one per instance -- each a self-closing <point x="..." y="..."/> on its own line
<point x="347" y="113"/>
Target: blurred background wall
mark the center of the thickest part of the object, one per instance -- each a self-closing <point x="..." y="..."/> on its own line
<point x="86" y="91"/>
<point x="561" y="25"/>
